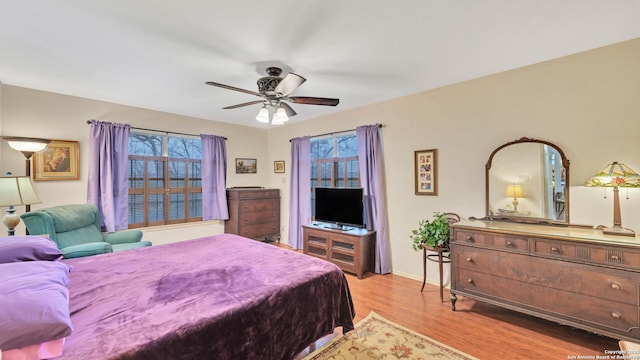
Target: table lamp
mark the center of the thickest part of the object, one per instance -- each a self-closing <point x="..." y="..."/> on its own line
<point x="616" y="175"/>
<point x="515" y="191"/>
<point x="16" y="191"/>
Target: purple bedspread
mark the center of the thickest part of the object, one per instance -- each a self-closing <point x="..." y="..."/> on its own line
<point x="219" y="297"/>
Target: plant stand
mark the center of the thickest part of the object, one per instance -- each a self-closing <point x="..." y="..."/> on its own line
<point x="443" y="257"/>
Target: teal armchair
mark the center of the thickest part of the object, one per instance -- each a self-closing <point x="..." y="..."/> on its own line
<point x="75" y="229"/>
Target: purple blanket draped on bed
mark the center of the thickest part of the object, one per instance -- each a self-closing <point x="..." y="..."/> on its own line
<point x="219" y="297"/>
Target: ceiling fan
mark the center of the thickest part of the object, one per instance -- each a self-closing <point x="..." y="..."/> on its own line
<point x="275" y="92"/>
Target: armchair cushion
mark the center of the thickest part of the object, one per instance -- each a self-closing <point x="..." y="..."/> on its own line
<point x="88" y="249"/>
<point x="123" y="237"/>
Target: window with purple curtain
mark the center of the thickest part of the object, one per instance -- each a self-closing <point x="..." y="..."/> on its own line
<point x="300" y="190"/>
<point x="108" y="186"/>
<point x="372" y="181"/>
<point x="214" y="178"/>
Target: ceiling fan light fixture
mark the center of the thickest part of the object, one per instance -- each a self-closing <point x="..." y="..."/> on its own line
<point x="263" y="115"/>
<point x="280" y="116"/>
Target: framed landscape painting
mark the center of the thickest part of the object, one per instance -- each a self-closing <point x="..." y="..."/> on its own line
<point x="246" y="166"/>
<point x="60" y="160"/>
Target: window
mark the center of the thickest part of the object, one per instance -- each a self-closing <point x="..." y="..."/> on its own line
<point x="165" y="181"/>
<point x="334" y="163"/>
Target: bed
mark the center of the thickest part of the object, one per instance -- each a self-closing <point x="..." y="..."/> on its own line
<point x="218" y="297"/>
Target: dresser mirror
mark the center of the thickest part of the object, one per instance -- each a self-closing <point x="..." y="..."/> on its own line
<point x="527" y="181"/>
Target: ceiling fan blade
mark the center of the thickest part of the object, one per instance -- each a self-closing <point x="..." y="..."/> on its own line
<point x="289" y="84"/>
<point x="243" y="104"/>
<point x="288" y="109"/>
<point x="314" y="100"/>
<point x="229" y="87"/>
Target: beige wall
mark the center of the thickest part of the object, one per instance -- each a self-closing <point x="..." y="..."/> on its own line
<point x="587" y="104"/>
<point x="28" y="112"/>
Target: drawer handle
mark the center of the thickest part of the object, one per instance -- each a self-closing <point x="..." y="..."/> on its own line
<point x="616" y="315"/>
<point x="469" y="238"/>
<point x="554" y="249"/>
<point x="469" y="259"/>
<point x="509" y="243"/>
<point x="615" y="286"/>
<point x="470" y="281"/>
<point x="615" y="257"/>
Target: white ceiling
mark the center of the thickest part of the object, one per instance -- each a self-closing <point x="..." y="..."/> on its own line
<point x="157" y="54"/>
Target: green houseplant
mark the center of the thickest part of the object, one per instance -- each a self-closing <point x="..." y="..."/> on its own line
<point x="432" y="233"/>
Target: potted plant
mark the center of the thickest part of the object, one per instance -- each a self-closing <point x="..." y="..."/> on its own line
<point x="432" y="233"/>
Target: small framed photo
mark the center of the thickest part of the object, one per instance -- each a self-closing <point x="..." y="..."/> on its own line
<point x="426" y="172"/>
<point x="246" y="166"/>
<point x="60" y="160"/>
<point x="278" y="166"/>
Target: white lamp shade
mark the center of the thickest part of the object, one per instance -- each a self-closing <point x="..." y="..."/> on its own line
<point x="263" y="115"/>
<point x="17" y="190"/>
<point x="27" y="144"/>
<point x="280" y="117"/>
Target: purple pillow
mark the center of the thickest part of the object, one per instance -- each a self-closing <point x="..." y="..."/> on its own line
<point x="27" y="248"/>
<point x="35" y="303"/>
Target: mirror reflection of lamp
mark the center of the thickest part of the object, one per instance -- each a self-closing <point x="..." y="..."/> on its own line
<point x="615" y="175"/>
<point x="515" y="191"/>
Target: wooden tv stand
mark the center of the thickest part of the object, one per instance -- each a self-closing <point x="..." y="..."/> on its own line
<point x="575" y="276"/>
<point x="351" y="250"/>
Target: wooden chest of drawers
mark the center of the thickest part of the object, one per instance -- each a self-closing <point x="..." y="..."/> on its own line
<point x="574" y="276"/>
<point x="254" y="213"/>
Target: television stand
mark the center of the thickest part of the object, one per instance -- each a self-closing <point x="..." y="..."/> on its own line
<point x="352" y="250"/>
<point x="338" y="227"/>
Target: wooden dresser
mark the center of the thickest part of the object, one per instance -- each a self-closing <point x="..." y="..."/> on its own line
<point x="351" y="250"/>
<point x="254" y="213"/>
<point x="573" y="276"/>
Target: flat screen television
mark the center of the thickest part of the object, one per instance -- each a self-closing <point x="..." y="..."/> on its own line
<point x="340" y="207"/>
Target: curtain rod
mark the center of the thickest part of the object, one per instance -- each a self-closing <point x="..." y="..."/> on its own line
<point x="336" y="132"/>
<point x="160" y="131"/>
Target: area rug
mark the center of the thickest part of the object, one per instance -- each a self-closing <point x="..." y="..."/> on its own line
<point x="377" y="338"/>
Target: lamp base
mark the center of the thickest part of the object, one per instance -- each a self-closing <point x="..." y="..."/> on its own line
<point x="618" y="231"/>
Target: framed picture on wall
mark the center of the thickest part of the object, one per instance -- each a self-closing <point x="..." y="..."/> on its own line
<point x="278" y="166"/>
<point x="246" y="166"/>
<point x="60" y="160"/>
<point x="426" y="172"/>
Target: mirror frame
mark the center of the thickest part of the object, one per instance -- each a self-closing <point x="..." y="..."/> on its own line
<point x="524" y="219"/>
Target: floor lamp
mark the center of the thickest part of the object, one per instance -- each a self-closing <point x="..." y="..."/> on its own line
<point x="27" y="146"/>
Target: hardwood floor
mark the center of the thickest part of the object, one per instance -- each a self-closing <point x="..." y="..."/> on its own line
<point x="479" y="329"/>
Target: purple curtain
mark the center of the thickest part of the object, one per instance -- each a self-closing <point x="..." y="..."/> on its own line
<point x="372" y="179"/>
<point x="214" y="178"/>
<point x="108" y="184"/>
<point x="300" y="190"/>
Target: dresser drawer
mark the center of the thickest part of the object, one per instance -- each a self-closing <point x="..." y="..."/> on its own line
<point x="587" y="252"/>
<point x="561" y="303"/>
<point x="252" y="193"/>
<point x="252" y="231"/>
<point x="259" y="204"/>
<point x="581" y="279"/>
<point x="259" y="217"/>
<point x="474" y="237"/>
<point x="513" y="243"/>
